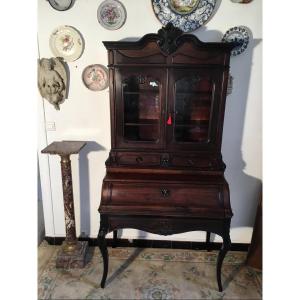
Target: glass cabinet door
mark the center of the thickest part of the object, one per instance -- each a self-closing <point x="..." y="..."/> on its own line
<point x="140" y="111"/>
<point x="192" y="111"/>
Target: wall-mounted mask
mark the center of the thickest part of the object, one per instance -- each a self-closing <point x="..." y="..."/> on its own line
<point x="52" y="80"/>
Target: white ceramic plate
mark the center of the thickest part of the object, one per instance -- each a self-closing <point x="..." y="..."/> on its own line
<point x="61" y="5"/>
<point x="111" y="14"/>
<point x="66" y="42"/>
<point x="95" y="77"/>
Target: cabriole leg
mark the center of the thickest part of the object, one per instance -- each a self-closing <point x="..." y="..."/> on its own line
<point x="115" y="237"/>
<point x="222" y="253"/>
<point x="103" y="248"/>
<point x="208" y="241"/>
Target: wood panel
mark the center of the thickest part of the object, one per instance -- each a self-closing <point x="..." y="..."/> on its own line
<point x="165" y="172"/>
<point x="165" y="194"/>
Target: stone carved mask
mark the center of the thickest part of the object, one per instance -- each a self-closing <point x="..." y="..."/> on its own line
<point x="52" y="80"/>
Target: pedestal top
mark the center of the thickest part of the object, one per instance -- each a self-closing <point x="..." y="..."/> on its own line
<point x="64" y="147"/>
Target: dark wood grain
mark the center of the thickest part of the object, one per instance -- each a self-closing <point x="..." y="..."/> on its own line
<point x="165" y="172"/>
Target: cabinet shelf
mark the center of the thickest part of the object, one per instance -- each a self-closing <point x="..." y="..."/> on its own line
<point x="193" y="123"/>
<point x="143" y="122"/>
<point x="141" y="92"/>
<point x="180" y="93"/>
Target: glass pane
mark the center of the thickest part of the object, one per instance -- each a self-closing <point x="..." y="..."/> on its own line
<point x="141" y="109"/>
<point x="193" y="98"/>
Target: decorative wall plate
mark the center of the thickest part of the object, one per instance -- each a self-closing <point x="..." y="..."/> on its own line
<point x="61" y="5"/>
<point x="111" y="14"/>
<point x="188" y="15"/>
<point x="240" y="34"/>
<point x="66" y="42"/>
<point x="95" y="77"/>
<point x="241" y="1"/>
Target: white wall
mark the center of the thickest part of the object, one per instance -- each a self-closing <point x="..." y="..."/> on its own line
<point x="41" y="222"/>
<point x="85" y="115"/>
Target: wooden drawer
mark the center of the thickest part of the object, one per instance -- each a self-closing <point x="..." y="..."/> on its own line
<point x="182" y="196"/>
<point x="131" y="159"/>
<point x="189" y="161"/>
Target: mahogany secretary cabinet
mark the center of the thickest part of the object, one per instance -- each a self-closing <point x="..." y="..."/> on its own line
<point x="165" y="172"/>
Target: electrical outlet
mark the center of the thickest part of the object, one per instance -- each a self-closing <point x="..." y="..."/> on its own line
<point x="50" y="126"/>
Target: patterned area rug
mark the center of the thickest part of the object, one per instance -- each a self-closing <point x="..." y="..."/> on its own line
<point x="149" y="274"/>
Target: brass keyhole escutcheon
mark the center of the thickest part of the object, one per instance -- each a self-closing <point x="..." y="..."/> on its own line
<point x="165" y="192"/>
<point x="139" y="159"/>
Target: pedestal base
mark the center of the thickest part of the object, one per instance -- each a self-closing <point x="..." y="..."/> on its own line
<point x="72" y="259"/>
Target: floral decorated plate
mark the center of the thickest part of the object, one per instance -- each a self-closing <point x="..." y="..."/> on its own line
<point x="111" y="14"/>
<point x="95" y="77"/>
<point x="188" y="15"/>
<point x="239" y="34"/>
<point x="66" y="42"/>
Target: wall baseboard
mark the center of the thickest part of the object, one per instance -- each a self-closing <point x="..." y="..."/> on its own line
<point x="138" y="243"/>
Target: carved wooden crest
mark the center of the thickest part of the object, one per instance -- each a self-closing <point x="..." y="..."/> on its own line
<point x="168" y="36"/>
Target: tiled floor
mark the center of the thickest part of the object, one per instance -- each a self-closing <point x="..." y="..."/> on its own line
<point x="148" y="274"/>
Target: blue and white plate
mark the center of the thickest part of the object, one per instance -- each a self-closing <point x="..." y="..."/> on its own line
<point x="188" y="15"/>
<point x="239" y="34"/>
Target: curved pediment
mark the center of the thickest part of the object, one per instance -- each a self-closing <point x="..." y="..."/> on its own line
<point x="167" y="40"/>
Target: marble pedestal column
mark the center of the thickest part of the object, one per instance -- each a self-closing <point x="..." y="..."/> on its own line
<point x="73" y="252"/>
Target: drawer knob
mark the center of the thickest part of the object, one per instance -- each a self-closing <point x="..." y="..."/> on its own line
<point x="139" y="159"/>
<point x="165" y="162"/>
<point x="165" y="192"/>
<point x="191" y="162"/>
